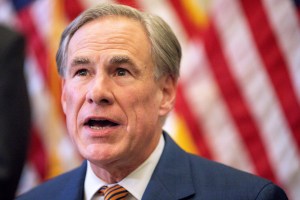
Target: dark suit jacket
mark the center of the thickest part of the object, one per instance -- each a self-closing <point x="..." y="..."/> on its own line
<point x="178" y="175"/>
<point x="14" y="111"/>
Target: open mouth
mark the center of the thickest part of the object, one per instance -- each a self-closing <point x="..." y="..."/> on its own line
<point x="100" y="124"/>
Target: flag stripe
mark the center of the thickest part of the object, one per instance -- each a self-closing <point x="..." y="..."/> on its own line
<point x="132" y="3"/>
<point x="35" y="42"/>
<point x="182" y="135"/>
<point x="274" y="63"/>
<point x="58" y="22"/>
<point x="234" y="100"/>
<point x="72" y="8"/>
<point x="192" y="31"/>
<point x="38" y="155"/>
<point x="182" y="106"/>
<point x="284" y="21"/>
<point x="196" y="13"/>
<point x="256" y="87"/>
<point x="194" y="126"/>
<point x="238" y="109"/>
<point x="219" y="130"/>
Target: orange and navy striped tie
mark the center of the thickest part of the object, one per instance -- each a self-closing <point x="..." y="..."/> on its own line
<point x="116" y="192"/>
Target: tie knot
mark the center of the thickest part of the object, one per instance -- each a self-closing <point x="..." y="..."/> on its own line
<point x="116" y="192"/>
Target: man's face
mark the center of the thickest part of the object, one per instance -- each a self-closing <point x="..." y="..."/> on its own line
<point x="112" y="102"/>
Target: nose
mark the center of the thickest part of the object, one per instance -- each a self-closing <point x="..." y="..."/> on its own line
<point x="100" y="91"/>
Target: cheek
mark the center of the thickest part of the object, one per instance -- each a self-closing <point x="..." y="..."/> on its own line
<point x="69" y="111"/>
<point x="72" y="103"/>
<point x="68" y="101"/>
<point x="146" y="104"/>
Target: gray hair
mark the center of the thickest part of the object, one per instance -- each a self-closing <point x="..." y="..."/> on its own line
<point x="166" y="50"/>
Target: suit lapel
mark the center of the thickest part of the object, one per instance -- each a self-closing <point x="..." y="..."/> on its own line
<point x="74" y="185"/>
<point x="172" y="178"/>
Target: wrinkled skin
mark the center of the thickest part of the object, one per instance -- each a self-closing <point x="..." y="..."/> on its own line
<point x="114" y="106"/>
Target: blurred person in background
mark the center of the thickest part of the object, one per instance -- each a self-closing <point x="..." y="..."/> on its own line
<point x="14" y="111"/>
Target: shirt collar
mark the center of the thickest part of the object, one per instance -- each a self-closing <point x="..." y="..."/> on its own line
<point x="92" y="183"/>
<point x="135" y="183"/>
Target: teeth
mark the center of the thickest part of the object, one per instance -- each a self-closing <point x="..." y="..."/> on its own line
<point x="98" y="127"/>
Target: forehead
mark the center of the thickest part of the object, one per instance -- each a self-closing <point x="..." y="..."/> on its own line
<point x="111" y="32"/>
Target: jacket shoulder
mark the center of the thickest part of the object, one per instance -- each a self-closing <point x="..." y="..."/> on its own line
<point x="217" y="180"/>
<point x="66" y="185"/>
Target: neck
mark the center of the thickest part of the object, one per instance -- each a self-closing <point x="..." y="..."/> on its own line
<point x="111" y="175"/>
<point x="116" y="171"/>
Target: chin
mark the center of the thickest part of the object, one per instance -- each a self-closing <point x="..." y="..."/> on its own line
<point x="97" y="153"/>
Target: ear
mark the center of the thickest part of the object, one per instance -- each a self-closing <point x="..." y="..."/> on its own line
<point x="168" y="87"/>
<point x="63" y="95"/>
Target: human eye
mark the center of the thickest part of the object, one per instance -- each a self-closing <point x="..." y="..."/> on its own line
<point x="121" y="72"/>
<point x="81" y="72"/>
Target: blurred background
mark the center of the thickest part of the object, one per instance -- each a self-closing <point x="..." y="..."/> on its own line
<point x="238" y="100"/>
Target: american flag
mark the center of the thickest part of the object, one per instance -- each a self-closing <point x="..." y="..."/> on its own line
<point x="238" y="100"/>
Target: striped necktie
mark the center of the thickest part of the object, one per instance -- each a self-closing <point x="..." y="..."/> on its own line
<point x="116" y="192"/>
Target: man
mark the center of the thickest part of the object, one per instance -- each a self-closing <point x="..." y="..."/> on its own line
<point x="119" y="70"/>
<point x="14" y="111"/>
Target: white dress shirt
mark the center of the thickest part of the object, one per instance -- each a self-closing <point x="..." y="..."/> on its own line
<point x="135" y="183"/>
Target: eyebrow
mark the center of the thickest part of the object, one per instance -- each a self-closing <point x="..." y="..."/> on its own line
<point x="80" y="61"/>
<point x="116" y="60"/>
